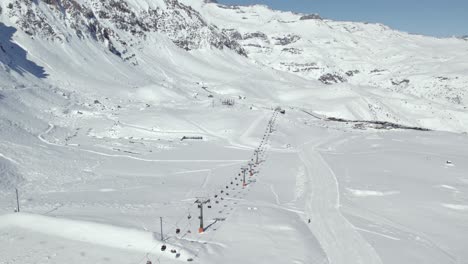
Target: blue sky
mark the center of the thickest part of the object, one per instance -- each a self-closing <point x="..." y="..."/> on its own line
<point x="440" y="18"/>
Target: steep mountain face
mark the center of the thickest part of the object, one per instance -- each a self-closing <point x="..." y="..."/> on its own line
<point x="347" y="52"/>
<point x="120" y="25"/>
<point x="168" y="50"/>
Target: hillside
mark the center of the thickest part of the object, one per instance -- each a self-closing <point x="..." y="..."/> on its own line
<point x="118" y="114"/>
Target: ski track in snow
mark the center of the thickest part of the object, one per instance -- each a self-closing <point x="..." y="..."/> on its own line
<point x="8" y="158"/>
<point x="363" y="253"/>
<point x="377" y="233"/>
<point x="277" y="199"/>
<point x="370" y="193"/>
<point x="51" y="126"/>
<point x="341" y="241"/>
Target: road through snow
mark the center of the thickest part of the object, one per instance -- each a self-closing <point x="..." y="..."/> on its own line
<point x="340" y="240"/>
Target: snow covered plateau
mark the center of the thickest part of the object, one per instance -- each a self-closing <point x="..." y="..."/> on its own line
<point x="117" y="114"/>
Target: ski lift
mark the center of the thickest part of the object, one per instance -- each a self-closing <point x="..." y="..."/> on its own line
<point x="163" y="247"/>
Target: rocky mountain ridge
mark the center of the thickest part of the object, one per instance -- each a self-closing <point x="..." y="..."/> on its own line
<point x="173" y="50"/>
<point x="346" y="52"/>
<point x="117" y="24"/>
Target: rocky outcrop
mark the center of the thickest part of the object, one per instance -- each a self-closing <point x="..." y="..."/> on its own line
<point x="310" y="17"/>
<point x="351" y="73"/>
<point x="117" y="25"/>
<point x="400" y="82"/>
<point x="332" y="78"/>
<point x="286" y="40"/>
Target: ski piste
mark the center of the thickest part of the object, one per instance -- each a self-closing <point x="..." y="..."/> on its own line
<point x="113" y="126"/>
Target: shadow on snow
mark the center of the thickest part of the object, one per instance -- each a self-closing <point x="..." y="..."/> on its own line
<point x="14" y="57"/>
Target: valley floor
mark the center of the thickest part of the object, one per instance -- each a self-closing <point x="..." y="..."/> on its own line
<point x="323" y="192"/>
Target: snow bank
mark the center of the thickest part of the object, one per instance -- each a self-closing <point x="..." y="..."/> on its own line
<point x="457" y="207"/>
<point x="93" y="233"/>
<point x="366" y="193"/>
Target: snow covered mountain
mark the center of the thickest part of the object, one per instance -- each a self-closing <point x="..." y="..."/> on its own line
<point x="358" y="53"/>
<point x="385" y="74"/>
<point x="114" y="113"/>
<point x="119" y="25"/>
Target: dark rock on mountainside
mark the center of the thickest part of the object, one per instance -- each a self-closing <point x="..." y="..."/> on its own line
<point x="258" y="35"/>
<point x="286" y="40"/>
<point x="97" y="20"/>
<point x="400" y="82"/>
<point x="310" y="17"/>
<point x="233" y="34"/>
<point x="352" y="73"/>
<point x="292" y="50"/>
<point x="331" y="78"/>
<point x="300" y="67"/>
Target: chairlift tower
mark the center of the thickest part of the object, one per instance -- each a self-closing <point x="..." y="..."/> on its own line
<point x="244" y="170"/>
<point x="251" y="168"/>
<point x="201" y="202"/>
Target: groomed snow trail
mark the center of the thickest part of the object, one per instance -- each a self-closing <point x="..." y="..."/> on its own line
<point x="340" y="240"/>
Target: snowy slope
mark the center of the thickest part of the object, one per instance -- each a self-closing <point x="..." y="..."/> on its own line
<point x="360" y="53"/>
<point x="149" y="58"/>
<point x="407" y="66"/>
<point x="116" y="113"/>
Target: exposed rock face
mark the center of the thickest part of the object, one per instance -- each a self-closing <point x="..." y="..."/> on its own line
<point x="400" y="82"/>
<point x="300" y="67"/>
<point x="310" y="17"/>
<point x="258" y="35"/>
<point x="332" y="78"/>
<point x="293" y="50"/>
<point x="233" y="34"/>
<point x="281" y="40"/>
<point x="118" y="25"/>
<point x="286" y="40"/>
<point x="352" y="73"/>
